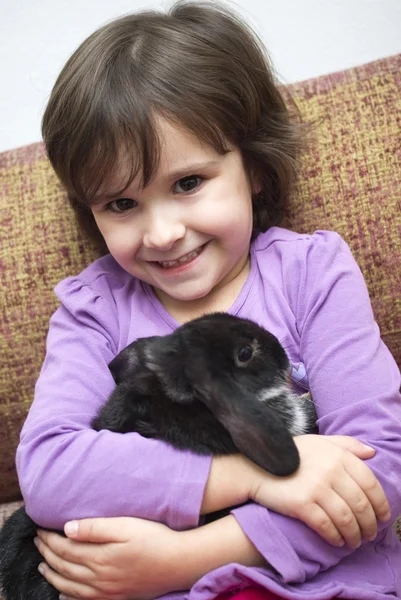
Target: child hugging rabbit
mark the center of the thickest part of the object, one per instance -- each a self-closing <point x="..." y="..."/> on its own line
<point x="225" y="374"/>
<point x="178" y="155"/>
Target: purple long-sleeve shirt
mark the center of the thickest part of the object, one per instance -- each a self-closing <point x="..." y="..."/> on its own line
<point x="309" y="292"/>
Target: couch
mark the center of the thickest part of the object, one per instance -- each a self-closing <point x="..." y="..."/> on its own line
<point x="349" y="181"/>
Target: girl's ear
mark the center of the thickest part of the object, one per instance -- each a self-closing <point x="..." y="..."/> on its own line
<point x="256" y="187"/>
<point x="256" y="184"/>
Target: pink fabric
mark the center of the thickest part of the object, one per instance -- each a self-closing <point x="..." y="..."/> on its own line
<point x="251" y="593"/>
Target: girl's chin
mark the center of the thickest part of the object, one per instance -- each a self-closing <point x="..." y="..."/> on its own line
<point x="166" y="295"/>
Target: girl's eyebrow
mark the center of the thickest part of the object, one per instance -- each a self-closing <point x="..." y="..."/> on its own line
<point x="192" y="168"/>
<point x="100" y="199"/>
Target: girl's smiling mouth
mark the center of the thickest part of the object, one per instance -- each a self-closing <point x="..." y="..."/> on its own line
<point x="183" y="260"/>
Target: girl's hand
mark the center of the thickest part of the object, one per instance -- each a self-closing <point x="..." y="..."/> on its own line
<point x="128" y="558"/>
<point x="115" y="558"/>
<point x="334" y="492"/>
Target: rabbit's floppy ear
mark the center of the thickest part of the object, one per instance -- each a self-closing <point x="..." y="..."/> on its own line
<point x="255" y="428"/>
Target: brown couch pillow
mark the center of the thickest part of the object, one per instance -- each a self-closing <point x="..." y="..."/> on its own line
<point x="350" y="181"/>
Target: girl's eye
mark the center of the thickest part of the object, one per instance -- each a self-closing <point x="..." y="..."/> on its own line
<point x="121" y="205"/>
<point x="187" y="184"/>
<point x="245" y="354"/>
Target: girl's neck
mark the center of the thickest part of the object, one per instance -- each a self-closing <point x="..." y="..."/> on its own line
<point x="219" y="299"/>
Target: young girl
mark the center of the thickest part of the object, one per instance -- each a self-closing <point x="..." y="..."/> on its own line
<point x="177" y="151"/>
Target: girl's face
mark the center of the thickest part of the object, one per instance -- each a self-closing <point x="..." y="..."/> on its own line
<point x="188" y="232"/>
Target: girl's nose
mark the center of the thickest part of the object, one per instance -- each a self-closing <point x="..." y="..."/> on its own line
<point x="163" y="234"/>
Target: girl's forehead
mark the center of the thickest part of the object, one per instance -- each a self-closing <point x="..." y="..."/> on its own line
<point x="179" y="153"/>
<point x="182" y="152"/>
<point x="176" y="141"/>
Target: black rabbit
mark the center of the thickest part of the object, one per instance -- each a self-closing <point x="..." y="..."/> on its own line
<point x="217" y="385"/>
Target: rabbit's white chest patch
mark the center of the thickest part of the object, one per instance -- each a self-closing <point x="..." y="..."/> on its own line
<point x="300" y="420"/>
<point x="273" y="392"/>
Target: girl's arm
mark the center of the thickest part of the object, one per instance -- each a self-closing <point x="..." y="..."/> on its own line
<point x="355" y="384"/>
<point x="67" y="470"/>
<point x="133" y="559"/>
<point x="334" y="492"/>
<point x="119" y="553"/>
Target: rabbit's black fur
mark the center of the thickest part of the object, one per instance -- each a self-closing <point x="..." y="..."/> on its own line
<point x="217" y="385"/>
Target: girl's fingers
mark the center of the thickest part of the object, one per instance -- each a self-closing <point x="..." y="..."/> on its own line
<point x="353" y="445"/>
<point x="69" y="570"/>
<point x="67" y="550"/>
<point x="333" y="520"/>
<point x="69" y="589"/>
<point x="343" y="517"/>
<point x="369" y="485"/>
<point x="317" y="519"/>
<point x="112" y="529"/>
<point x="360" y="507"/>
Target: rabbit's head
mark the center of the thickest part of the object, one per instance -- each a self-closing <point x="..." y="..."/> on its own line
<point x="237" y="369"/>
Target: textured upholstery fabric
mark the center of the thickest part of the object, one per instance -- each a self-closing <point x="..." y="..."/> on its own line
<point x="350" y="181"/>
<point x="6" y="510"/>
<point x="39" y="246"/>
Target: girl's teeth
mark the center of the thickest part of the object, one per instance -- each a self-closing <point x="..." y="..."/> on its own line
<point x="180" y="261"/>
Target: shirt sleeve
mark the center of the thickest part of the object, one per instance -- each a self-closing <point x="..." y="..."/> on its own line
<point x="66" y="469"/>
<point x="355" y="385"/>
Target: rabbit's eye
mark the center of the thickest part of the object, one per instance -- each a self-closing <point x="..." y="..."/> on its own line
<point x="245" y="354"/>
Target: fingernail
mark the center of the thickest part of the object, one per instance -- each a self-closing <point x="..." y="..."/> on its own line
<point x="370" y="538"/>
<point x="61" y="597"/>
<point x="41" y="569"/>
<point x="71" y="528"/>
<point x="369" y="448"/>
<point x="36" y="541"/>
<point x="386" y="517"/>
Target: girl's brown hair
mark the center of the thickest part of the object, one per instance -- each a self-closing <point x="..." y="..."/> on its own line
<point x="201" y="67"/>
